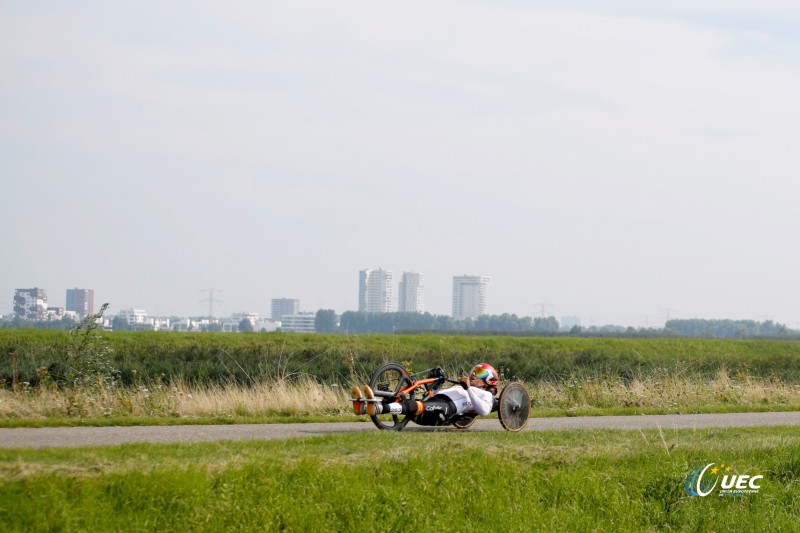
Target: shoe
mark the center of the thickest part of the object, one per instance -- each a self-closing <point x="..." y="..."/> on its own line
<point x="359" y="407"/>
<point x="373" y="407"/>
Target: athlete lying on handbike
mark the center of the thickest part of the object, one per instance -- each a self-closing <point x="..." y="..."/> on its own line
<point x="474" y="396"/>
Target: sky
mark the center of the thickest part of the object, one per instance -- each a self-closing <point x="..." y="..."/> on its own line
<point x="624" y="162"/>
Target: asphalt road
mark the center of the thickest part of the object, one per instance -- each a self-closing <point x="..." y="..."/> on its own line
<point x="104" y="436"/>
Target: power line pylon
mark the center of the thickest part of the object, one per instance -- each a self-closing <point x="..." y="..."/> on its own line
<point x="211" y="300"/>
<point x="543" y="307"/>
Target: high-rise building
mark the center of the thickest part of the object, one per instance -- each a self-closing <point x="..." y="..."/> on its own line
<point x="469" y="296"/>
<point x="81" y="301"/>
<point x="30" y="304"/>
<point x="375" y="291"/>
<point x="409" y="295"/>
<point x="284" y="306"/>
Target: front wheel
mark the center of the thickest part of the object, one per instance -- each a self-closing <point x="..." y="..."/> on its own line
<point x="515" y="406"/>
<point x="390" y="378"/>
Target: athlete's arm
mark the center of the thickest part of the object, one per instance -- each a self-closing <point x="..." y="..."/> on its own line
<point x="482" y="401"/>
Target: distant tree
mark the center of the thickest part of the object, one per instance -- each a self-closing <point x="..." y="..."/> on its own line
<point x="325" y="321"/>
<point x="245" y="326"/>
<point x="697" y="327"/>
<point x="119" y="323"/>
<point x="545" y="324"/>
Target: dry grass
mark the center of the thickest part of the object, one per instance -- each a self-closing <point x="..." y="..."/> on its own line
<point x="274" y="398"/>
<point x="662" y="390"/>
<point x="307" y="397"/>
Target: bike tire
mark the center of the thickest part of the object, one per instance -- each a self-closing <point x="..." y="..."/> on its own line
<point x="515" y="407"/>
<point x="391" y="377"/>
<point x="464" y="421"/>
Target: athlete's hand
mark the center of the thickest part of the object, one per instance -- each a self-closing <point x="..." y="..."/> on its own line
<point x="464" y="382"/>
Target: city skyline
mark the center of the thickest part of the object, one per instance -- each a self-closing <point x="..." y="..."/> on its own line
<point x="623" y="162"/>
<point x="475" y="294"/>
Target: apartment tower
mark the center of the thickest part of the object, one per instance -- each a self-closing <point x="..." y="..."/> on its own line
<point x="469" y="296"/>
<point x="375" y="291"/>
<point x="283" y="307"/>
<point x="410" y="293"/>
<point x="81" y="301"/>
<point x="30" y="304"/>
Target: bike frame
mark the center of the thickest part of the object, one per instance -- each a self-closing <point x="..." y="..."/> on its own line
<point x="407" y="389"/>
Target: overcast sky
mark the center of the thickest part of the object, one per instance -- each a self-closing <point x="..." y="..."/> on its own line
<point x="613" y="160"/>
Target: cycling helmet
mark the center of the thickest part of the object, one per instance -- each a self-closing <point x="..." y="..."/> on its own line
<point x="487" y="373"/>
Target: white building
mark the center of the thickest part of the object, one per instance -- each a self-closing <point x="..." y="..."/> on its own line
<point x="284" y="306"/>
<point x="253" y="318"/>
<point x="469" y="296"/>
<point x="299" y="323"/>
<point x="375" y="291"/>
<point x="410" y="293"/>
<point x="161" y="323"/>
<point x="134" y="316"/>
<point x="56" y="313"/>
<point x="267" y="325"/>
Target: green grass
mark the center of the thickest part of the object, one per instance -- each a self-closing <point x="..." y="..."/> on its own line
<point x="252" y="357"/>
<point x="420" y="481"/>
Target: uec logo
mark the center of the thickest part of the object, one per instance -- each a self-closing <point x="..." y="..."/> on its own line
<point x="704" y="479"/>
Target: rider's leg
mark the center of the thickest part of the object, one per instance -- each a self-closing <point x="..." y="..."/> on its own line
<point x="385" y="407"/>
<point x="436" y="412"/>
<point x="433" y="412"/>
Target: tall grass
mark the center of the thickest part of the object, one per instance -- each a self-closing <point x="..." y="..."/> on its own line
<point x="301" y="397"/>
<point x="307" y="397"/>
<point x="664" y="391"/>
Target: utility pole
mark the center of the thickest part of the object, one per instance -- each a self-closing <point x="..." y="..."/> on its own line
<point x="647" y="319"/>
<point x="211" y="301"/>
<point x="666" y="313"/>
<point x="543" y="307"/>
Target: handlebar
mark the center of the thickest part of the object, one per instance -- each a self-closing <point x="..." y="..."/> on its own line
<point x="438" y="373"/>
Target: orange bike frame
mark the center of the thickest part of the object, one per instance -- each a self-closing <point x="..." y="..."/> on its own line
<point x="416" y="384"/>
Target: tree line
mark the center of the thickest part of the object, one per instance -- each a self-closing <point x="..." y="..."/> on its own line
<point x="355" y="322"/>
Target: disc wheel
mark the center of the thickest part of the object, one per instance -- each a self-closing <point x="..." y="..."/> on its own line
<point x="390" y="378"/>
<point x="515" y="406"/>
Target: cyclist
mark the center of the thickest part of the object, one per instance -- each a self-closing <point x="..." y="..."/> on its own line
<point x="475" y="395"/>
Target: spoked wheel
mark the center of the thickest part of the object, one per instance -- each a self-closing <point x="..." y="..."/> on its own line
<point x="390" y="378"/>
<point x="464" y="421"/>
<point x="515" y="406"/>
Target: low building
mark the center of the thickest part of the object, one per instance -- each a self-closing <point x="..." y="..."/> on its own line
<point x="299" y="323"/>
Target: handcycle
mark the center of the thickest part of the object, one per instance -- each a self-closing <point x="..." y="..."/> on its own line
<point x="392" y="381"/>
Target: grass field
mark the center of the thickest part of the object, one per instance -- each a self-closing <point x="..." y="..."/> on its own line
<point x="380" y="481"/>
<point x="219" y="358"/>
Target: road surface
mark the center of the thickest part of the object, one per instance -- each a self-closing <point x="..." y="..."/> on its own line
<point x="64" y="437"/>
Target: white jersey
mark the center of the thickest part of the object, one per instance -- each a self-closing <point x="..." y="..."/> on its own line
<point x="471" y="400"/>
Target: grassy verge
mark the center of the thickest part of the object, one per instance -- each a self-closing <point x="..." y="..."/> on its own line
<point x="537" y="481"/>
<point x="307" y="400"/>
